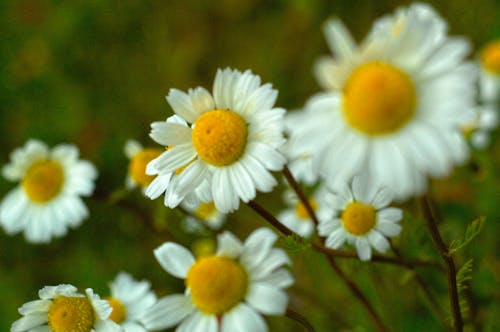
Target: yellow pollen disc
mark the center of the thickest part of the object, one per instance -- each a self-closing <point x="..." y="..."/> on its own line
<point x="217" y="284"/>
<point x="43" y="180"/>
<point x="358" y="218"/>
<point x="301" y="212"/>
<point x="137" y="166"/>
<point x="378" y="98"/>
<point x="490" y="57"/>
<point x="119" y="312"/>
<point x="220" y="137"/>
<point x="205" y="210"/>
<point x="70" y="314"/>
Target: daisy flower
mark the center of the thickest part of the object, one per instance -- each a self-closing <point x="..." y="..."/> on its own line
<point x="61" y="309"/>
<point x="229" y="138"/>
<point x="129" y="300"/>
<point x="360" y="217"/>
<point x="47" y="200"/>
<point x="489" y="80"/>
<point x="227" y="291"/>
<point x="296" y="217"/>
<point x="394" y="105"/>
<point x="480" y="130"/>
<point x="139" y="158"/>
<point x="204" y="214"/>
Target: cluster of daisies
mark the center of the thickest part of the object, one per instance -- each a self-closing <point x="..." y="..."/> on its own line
<point x="395" y="110"/>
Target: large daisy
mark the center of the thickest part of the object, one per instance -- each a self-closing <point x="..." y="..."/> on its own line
<point x="230" y="138"/>
<point x="47" y="200"/>
<point x="394" y="105"/>
<point x="61" y="309"/>
<point x="360" y="217"/>
<point x="227" y="291"/>
<point x="129" y="300"/>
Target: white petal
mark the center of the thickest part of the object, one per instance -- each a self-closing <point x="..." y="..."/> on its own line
<point x="379" y="242"/>
<point x="132" y="147"/>
<point x="390" y="214"/>
<point x="243" y="319"/>
<point x="174" y="258"/>
<point x="170" y="134"/>
<point x="199" y="322"/>
<point x="242" y="182"/>
<point x="267" y="156"/>
<point x="281" y="278"/>
<point x="167" y="312"/>
<point x="339" y="39"/>
<point x="382" y="198"/>
<point x="267" y="299"/>
<point x="363" y="248"/>
<point x="172" y="160"/>
<point x="257" y="246"/>
<point x="202" y="100"/>
<point x="107" y="326"/>
<point x="274" y="260"/>
<point x="228" y="245"/>
<point x="28" y="322"/>
<point x="224" y="197"/>
<point x="336" y="239"/>
<point x="182" y="105"/>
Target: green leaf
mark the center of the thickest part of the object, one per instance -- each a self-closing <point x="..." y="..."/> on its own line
<point x="295" y="244"/>
<point x="470" y="233"/>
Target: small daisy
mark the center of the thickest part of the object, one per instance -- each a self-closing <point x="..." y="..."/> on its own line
<point x="299" y="155"/>
<point x="489" y="80"/>
<point x="360" y="216"/>
<point x="480" y="130"/>
<point x="230" y="138"/>
<point x="205" y="214"/>
<point x="227" y="291"/>
<point x="139" y="158"/>
<point x="47" y="200"/>
<point x="394" y="105"/>
<point x="129" y="300"/>
<point x="296" y="217"/>
<point x="61" y="309"/>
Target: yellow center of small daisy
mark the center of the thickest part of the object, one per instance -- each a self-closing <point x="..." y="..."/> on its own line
<point x="301" y="211"/>
<point x="490" y="57"/>
<point x="217" y="284"/>
<point x="359" y="218"/>
<point x="220" y="137"/>
<point x="119" y="312"/>
<point x="205" y="210"/>
<point x="378" y="98"/>
<point x="43" y="180"/>
<point x="137" y="166"/>
<point x="70" y="314"/>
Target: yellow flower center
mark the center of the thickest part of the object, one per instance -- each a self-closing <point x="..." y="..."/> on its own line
<point x="220" y="137"/>
<point x="71" y="314"/>
<point x="119" y="312"/>
<point x="358" y="218"/>
<point x="43" y="180"/>
<point x="217" y="284"/>
<point x="490" y="57"/>
<point x="205" y="210"/>
<point x="137" y="166"/>
<point x="301" y="212"/>
<point x="378" y="98"/>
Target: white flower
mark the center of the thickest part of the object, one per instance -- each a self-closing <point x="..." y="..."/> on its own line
<point x="47" y="200"/>
<point x="61" y="309"/>
<point x="139" y="158"/>
<point x="230" y="139"/>
<point x="394" y="105"/>
<point x="486" y="121"/>
<point x="489" y="80"/>
<point x="299" y="155"/>
<point x="129" y="300"/>
<point x="227" y="291"/>
<point x="204" y="214"/>
<point x="359" y="216"/>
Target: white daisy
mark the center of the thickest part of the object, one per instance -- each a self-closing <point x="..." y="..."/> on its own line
<point x="61" y="309"/>
<point x="227" y="291"/>
<point x="480" y="130"/>
<point x="360" y="216"/>
<point x="172" y="181"/>
<point x="394" y="104"/>
<point x="47" y="200"/>
<point x="204" y="214"/>
<point x="489" y="80"/>
<point x="129" y="300"/>
<point x="231" y="140"/>
<point x="296" y="216"/>
<point x="299" y="155"/>
<point x="139" y="158"/>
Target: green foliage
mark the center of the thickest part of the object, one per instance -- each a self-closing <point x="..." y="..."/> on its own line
<point x="295" y="244"/>
<point x="471" y="232"/>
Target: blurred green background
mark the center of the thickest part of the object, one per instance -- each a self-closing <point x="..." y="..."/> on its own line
<point x="95" y="73"/>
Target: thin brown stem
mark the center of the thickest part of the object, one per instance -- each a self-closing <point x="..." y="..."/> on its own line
<point x="299" y="319"/>
<point x="303" y="198"/>
<point x="351" y="285"/>
<point x="450" y="268"/>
